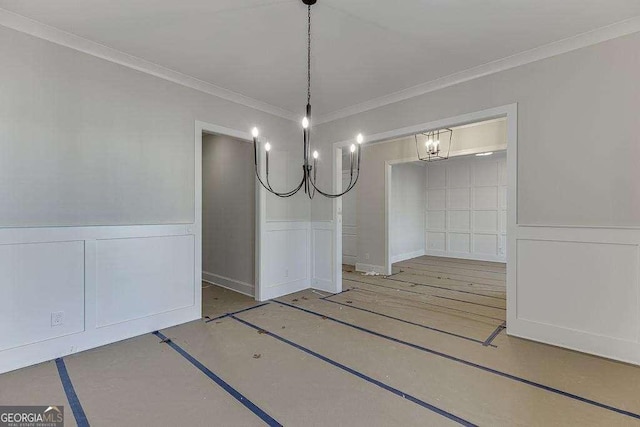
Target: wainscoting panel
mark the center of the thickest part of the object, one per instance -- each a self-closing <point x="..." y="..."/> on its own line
<point x="322" y="251"/>
<point x="140" y="277"/>
<point x="36" y="281"/>
<point x="577" y="287"/>
<point x="286" y="258"/>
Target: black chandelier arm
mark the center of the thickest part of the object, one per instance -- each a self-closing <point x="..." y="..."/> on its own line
<point x="279" y="194"/>
<point x="352" y="184"/>
<point x="312" y="189"/>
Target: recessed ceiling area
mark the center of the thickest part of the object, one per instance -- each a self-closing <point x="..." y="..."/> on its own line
<point x="362" y="50"/>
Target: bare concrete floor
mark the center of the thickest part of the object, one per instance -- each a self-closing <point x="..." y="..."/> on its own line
<point x="424" y="346"/>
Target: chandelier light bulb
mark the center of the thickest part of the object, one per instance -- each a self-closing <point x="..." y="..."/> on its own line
<point x="353" y="148"/>
<point x="254" y="132"/>
<point x="360" y="138"/>
<point x="315" y="155"/>
<point x="305" y="122"/>
<point x="267" y="147"/>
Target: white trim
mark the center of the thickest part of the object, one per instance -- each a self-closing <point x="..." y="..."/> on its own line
<point x="229" y="283"/>
<point x="367" y="268"/>
<point x="200" y="128"/>
<point x="37" y="29"/>
<point x="559" y="47"/>
<point x="387" y="215"/>
<point x="463" y="119"/>
<point x="289" y="287"/>
<point x="463" y="255"/>
<point x="337" y="219"/>
<point x="408" y="255"/>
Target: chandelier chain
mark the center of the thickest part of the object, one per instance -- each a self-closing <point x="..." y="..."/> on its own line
<point x="308" y="54"/>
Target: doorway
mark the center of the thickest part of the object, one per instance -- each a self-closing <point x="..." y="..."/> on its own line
<point x="229" y="217"/>
<point x="441" y="266"/>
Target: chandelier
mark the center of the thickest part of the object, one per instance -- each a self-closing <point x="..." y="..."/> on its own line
<point x="309" y="170"/>
<point x="432" y="145"/>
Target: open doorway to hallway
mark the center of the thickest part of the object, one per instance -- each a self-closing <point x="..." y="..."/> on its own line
<point x="228" y="225"/>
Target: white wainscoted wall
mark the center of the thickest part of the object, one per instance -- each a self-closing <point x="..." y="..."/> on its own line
<point x="466" y="205"/>
<point x="577" y="287"/>
<point x="323" y="264"/>
<point x="286" y="264"/>
<point x="106" y="283"/>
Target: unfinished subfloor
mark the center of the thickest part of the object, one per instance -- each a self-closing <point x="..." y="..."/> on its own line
<point x="422" y="347"/>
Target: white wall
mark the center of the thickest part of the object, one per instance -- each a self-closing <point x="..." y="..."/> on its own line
<point x="228" y="213"/>
<point x="467" y="208"/>
<point x="98" y="213"/>
<point x="407" y="217"/>
<point x="577" y="199"/>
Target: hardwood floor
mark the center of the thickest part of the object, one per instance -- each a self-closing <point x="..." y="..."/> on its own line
<point x="424" y="346"/>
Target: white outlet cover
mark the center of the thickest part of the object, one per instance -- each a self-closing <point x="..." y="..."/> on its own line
<point x="57" y="318"/>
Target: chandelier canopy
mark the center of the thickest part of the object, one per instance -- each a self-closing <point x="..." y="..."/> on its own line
<point x="309" y="168"/>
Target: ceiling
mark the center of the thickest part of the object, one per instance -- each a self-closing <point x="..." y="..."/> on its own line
<point x="362" y="49"/>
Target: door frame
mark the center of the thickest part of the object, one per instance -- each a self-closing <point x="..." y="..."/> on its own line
<point x="260" y="206"/>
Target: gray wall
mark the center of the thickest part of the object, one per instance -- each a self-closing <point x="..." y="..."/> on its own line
<point x="407" y="210"/>
<point x="88" y="142"/>
<point x="228" y="208"/>
<point x="578" y="144"/>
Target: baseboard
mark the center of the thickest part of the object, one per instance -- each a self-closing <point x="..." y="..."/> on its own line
<point x="408" y="255"/>
<point x="228" y="283"/>
<point x="462" y="255"/>
<point x="370" y="267"/>
<point x="43" y="351"/>
<point x="349" y="259"/>
<point x="286" y="288"/>
<point x="584" y="342"/>
<point x="323" y="285"/>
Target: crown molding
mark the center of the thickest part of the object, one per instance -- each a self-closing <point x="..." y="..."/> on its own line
<point x="37" y="29"/>
<point x="589" y="38"/>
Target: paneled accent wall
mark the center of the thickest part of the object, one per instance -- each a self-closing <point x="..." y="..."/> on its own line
<point x="466" y="208"/>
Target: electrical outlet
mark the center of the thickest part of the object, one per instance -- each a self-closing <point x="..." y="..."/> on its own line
<point x="366" y="256"/>
<point x="57" y="318"/>
<point x="286" y="272"/>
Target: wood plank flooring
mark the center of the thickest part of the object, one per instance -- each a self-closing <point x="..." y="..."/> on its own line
<point x="422" y="347"/>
